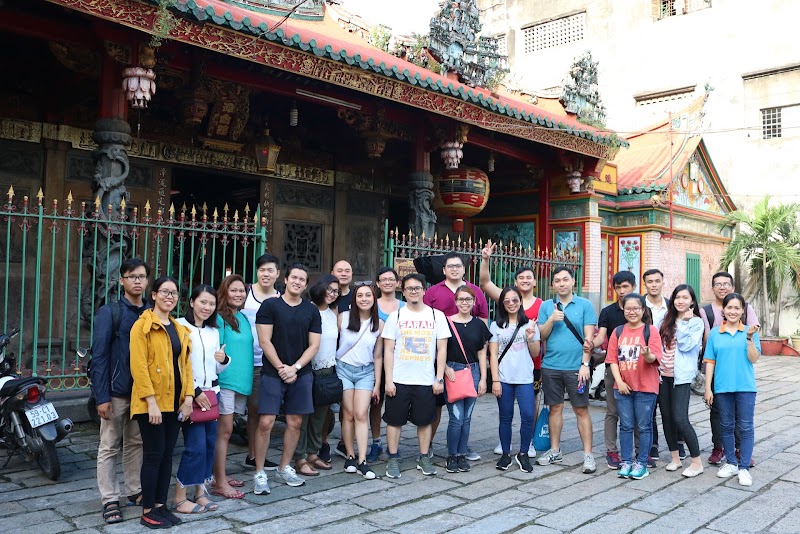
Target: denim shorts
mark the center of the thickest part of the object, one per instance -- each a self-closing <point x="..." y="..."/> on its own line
<point x="352" y="377"/>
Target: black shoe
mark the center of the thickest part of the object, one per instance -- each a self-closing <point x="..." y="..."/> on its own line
<point x="270" y="466"/>
<point x="504" y="462"/>
<point x="167" y="514"/>
<point x="463" y="464"/>
<point x="452" y="464"/>
<point x="681" y="451"/>
<point x="325" y="453"/>
<point x="654" y="452"/>
<point x="524" y="462"/>
<point x="154" y="519"/>
<point x="350" y="465"/>
<point x="341" y="450"/>
<point x="365" y="471"/>
<point x="250" y="462"/>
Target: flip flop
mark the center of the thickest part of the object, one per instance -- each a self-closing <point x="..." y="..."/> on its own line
<point x="319" y="463"/>
<point x="235" y="483"/>
<point x="304" y="468"/>
<point x="198" y="508"/>
<point x="111" y="513"/>
<point x="230" y="494"/>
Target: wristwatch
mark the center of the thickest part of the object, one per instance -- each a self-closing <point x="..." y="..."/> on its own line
<point x="298" y="366"/>
<point x="585" y="364"/>
<point x="440" y="380"/>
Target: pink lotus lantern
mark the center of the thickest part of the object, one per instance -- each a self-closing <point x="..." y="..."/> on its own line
<point x="139" y="85"/>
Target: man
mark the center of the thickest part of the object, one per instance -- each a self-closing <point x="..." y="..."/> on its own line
<point x="441" y="297"/>
<point x="611" y="317"/>
<point x="654" y="283"/>
<point x="525" y="281"/>
<point x="721" y="286"/>
<point x="112" y="382"/>
<point x="567" y="364"/>
<point x="289" y="330"/>
<point x="343" y="271"/>
<point x="414" y="338"/>
<point x="267" y="273"/>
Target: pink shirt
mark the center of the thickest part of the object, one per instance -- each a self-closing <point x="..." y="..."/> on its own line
<point x="626" y="353"/>
<point x="440" y="297"/>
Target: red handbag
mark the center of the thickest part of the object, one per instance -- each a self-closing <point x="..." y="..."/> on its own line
<point x="463" y="387"/>
<point x="204" y="416"/>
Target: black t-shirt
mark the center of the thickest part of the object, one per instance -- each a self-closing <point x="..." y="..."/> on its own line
<point x="176" y="354"/>
<point x="343" y="302"/>
<point x="611" y="317"/>
<point x="290" y="328"/>
<point x="474" y="336"/>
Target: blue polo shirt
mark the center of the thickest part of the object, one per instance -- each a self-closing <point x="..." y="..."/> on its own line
<point x="564" y="352"/>
<point x="727" y="349"/>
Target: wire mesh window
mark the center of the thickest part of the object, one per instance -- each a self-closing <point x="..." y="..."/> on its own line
<point x="771" y="123"/>
<point x="670" y="8"/>
<point x="554" y="33"/>
<point x="502" y="45"/>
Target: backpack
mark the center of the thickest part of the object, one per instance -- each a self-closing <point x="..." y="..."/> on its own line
<point x="116" y="320"/>
<point x="712" y="319"/>
<point x="618" y="331"/>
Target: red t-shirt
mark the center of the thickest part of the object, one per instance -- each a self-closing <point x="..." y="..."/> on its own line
<point x="626" y="350"/>
<point x="532" y="313"/>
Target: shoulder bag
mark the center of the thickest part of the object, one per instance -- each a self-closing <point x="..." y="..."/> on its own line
<point x="462" y="386"/>
<point x="204" y="416"/>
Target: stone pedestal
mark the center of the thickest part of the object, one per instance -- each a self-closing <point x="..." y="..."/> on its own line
<point x="421" y="217"/>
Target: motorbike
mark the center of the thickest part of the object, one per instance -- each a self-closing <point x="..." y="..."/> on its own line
<point x="28" y="422"/>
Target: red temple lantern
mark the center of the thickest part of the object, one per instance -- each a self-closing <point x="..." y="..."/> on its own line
<point x="461" y="193"/>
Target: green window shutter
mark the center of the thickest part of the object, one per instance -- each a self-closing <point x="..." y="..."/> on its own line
<point x="693" y="272"/>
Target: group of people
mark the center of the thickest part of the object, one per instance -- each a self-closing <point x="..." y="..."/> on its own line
<point x="250" y="349"/>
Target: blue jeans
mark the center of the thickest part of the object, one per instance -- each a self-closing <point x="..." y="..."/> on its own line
<point x="635" y="409"/>
<point x="197" y="460"/>
<point x="736" y="410"/>
<point x="461" y="414"/>
<point x="525" y="400"/>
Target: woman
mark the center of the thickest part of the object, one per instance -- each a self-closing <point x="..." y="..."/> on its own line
<point x="388" y="302"/>
<point x="466" y="349"/>
<point x="634" y="355"/>
<point x="682" y="338"/>
<point x="359" y="366"/>
<point x="323" y="293"/>
<point x="208" y="359"/>
<point x="730" y="353"/>
<point x="236" y="381"/>
<point x="512" y="351"/>
<point x="162" y="387"/>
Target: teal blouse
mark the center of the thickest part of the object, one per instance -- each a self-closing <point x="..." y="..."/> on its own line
<point x="238" y="376"/>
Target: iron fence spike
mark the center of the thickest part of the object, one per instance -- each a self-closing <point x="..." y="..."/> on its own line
<point x="69" y="197"/>
<point x="40" y="196"/>
<point x="10" y="193"/>
<point x="97" y="203"/>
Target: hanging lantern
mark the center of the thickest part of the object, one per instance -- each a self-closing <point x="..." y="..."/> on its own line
<point x="267" y="151"/>
<point x="139" y="85"/>
<point x="461" y="193"/>
<point x="294" y="115"/>
<point x="452" y="154"/>
<point x="490" y="163"/>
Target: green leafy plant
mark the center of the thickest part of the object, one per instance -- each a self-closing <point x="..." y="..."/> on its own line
<point x="164" y="23"/>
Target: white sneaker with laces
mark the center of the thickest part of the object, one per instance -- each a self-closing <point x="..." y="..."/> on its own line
<point x="289" y="476"/>
<point x="531" y="451"/>
<point x="744" y="478"/>
<point x="727" y="471"/>
<point x="261" y="483"/>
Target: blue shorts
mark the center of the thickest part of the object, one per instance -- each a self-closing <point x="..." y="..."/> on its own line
<point x="352" y="377"/>
<point x="295" y="397"/>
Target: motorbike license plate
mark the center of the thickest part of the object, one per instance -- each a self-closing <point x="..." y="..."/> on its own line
<point x="41" y="415"/>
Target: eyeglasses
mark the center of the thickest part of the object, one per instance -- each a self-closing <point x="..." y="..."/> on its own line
<point x="332" y="291"/>
<point x="511" y="301"/>
<point x="722" y="284"/>
<point x="136" y="277"/>
<point x="413" y="289"/>
<point x="633" y="310"/>
<point x="164" y="293"/>
<point x="387" y="280"/>
<point x="454" y="265"/>
<point x="465" y="300"/>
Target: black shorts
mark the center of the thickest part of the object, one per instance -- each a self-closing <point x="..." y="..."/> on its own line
<point x="556" y="382"/>
<point x="537" y="381"/>
<point x="295" y="397"/>
<point x="411" y="403"/>
<point x="441" y="400"/>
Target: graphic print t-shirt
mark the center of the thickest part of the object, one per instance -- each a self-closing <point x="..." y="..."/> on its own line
<point x="415" y="335"/>
<point x="626" y="351"/>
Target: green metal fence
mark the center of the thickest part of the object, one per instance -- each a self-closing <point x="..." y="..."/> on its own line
<point x="61" y="265"/>
<point x="504" y="262"/>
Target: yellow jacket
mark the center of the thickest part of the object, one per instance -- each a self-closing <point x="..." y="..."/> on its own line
<point x="152" y="367"/>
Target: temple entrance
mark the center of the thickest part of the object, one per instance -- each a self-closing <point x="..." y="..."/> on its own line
<point x="194" y="188"/>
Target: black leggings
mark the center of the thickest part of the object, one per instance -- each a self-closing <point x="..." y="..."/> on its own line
<point x="674" y="403"/>
<point x="158" y="443"/>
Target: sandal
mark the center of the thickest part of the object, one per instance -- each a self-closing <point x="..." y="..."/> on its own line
<point x="210" y="506"/>
<point x="235" y="483"/>
<point x="319" y="463"/>
<point x="111" y="513"/>
<point x="230" y="493"/>
<point x="134" y="500"/>
<point x="198" y="508"/>
<point x="304" y="468"/>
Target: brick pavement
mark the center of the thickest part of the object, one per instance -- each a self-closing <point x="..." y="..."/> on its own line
<point x="552" y="499"/>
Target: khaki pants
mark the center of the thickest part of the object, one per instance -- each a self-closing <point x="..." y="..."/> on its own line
<point x="119" y="432"/>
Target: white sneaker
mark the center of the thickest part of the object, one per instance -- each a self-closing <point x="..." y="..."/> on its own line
<point x="261" y="483"/>
<point x="727" y="471"/>
<point x="289" y="475"/>
<point x="531" y="451"/>
<point x="498" y="449"/>
<point x="589" y="465"/>
<point x="744" y="478"/>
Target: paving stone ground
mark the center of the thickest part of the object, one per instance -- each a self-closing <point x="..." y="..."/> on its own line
<point x="552" y="499"/>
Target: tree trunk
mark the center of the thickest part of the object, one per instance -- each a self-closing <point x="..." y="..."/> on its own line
<point x="764" y="289"/>
<point x="776" y="321"/>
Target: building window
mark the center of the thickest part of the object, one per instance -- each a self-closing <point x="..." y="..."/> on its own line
<point x="671" y="8"/>
<point x="502" y="45"/>
<point x="554" y="33"/>
<point x="771" y="123"/>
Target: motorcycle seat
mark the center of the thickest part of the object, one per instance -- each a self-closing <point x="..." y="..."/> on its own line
<point x="12" y="386"/>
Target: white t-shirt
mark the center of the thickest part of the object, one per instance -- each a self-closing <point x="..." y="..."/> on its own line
<point x="326" y="355"/>
<point x="517" y="365"/>
<point x="415" y="335"/>
<point x="357" y="348"/>
<point x="250" y="309"/>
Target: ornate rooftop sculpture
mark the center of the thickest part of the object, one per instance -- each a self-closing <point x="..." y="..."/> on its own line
<point x="580" y="93"/>
<point x="299" y="9"/>
<point x="455" y="43"/>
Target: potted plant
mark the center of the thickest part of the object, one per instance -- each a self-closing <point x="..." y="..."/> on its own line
<point x="768" y="242"/>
